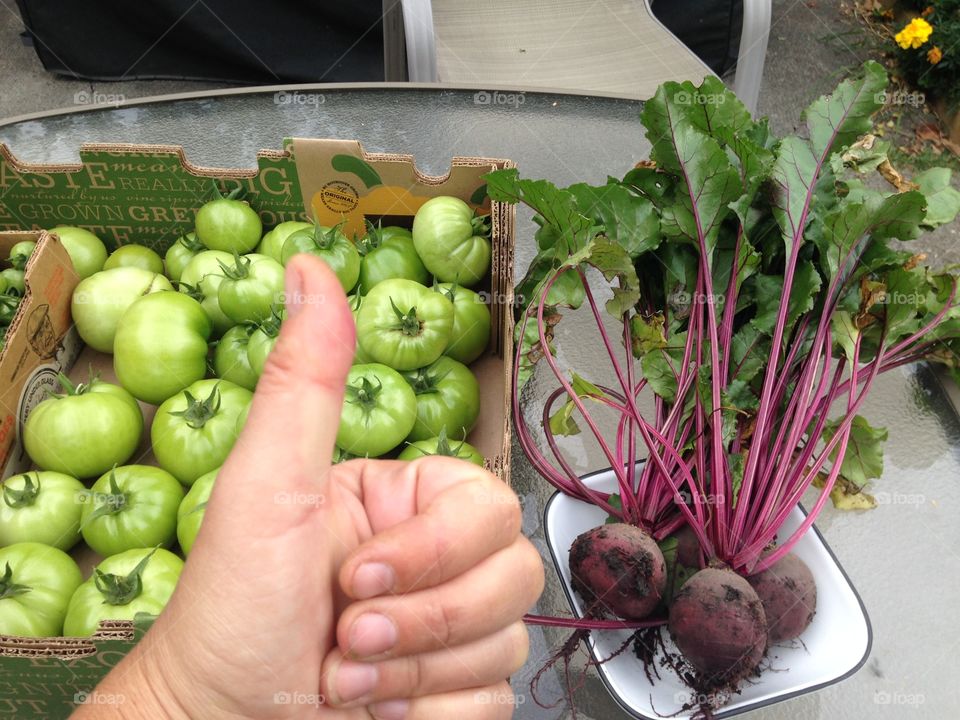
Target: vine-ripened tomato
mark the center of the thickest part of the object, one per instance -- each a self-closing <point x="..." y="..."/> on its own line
<point x="331" y="246"/>
<point x="442" y="446"/>
<point x="180" y="254"/>
<point x="201" y="280"/>
<point x="252" y="285"/>
<point x="404" y="325"/>
<point x="229" y="225"/>
<point x="41" y="507"/>
<point x="387" y="253"/>
<point x="87" y="252"/>
<point x="84" y="431"/>
<point x="272" y="243"/>
<point x="136" y="581"/>
<point x="448" y="396"/>
<point x="471" y="323"/>
<point x="192" y="508"/>
<point x="453" y="243"/>
<point x="136" y="256"/>
<point x="100" y="300"/>
<point x="131" y="506"/>
<point x="194" y="431"/>
<point x="379" y="411"/>
<point x="36" y="584"/>
<point x="161" y="345"/>
<point x="231" y="361"/>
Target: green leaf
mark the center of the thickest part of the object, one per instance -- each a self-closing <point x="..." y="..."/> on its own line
<point x="707" y="182"/>
<point x="531" y="352"/>
<point x="863" y="459"/>
<point x="943" y="200"/>
<point x="647" y="334"/>
<point x="614" y="502"/>
<point x="562" y="422"/>
<point x="769" y="288"/>
<point x="613" y="262"/>
<point x="627" y="219"/>
<point x="656" y="367"/>
<point x="845" y="332"/>
<point x="836" y="120"/>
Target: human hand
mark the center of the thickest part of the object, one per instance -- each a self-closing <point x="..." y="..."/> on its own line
<point x="370" y="589"/>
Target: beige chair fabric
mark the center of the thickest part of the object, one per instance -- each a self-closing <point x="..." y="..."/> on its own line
<point x="611" y="47"/>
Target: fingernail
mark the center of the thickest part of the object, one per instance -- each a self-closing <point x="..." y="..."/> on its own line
<point x="354" y="680"/>
<point x="372" y="634"/>
<point x="372" y="579"/>
<point x="293" y="285"/>
<point x="390" y="710"/>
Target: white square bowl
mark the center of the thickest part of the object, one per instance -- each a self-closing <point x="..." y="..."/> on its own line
<point x="834" y="647"/>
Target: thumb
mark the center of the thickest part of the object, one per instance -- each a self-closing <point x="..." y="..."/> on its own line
<point x="287" y="442"/>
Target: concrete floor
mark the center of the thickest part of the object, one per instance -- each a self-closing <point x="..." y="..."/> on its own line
<point x="813" y="43"/>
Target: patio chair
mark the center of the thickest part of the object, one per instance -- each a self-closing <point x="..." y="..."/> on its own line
<point x="610" y="47"/>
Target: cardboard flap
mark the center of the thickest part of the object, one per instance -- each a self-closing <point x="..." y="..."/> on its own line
<point x="341" y="182"/>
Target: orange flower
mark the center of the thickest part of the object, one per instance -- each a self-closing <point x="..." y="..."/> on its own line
<point x="934" y="55"/>
<point x="927" y="11"/>
<point x="915" y="34"/>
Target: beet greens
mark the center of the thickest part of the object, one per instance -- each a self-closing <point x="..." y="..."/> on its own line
<point x="756" y="288"/>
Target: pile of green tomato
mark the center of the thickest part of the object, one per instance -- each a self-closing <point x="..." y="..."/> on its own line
<point x="190" y="333"/>
<point x="12" y="285"/>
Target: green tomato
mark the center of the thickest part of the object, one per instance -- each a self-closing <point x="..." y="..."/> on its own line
<point x="136" y="581"/>
<point x="192" y="508"/>
<point x="9" y="304"/>
<point x="87" y="252"/>
<point x="448" y="396"/>
<point x="471" y="323"/>
<point x="20" y="253"/>
<point x="201" y="280"/>
<point x="194" y="431"/>
<point x="85" y="431"/>
<point x="388" y="253"/>
<point x="230" y="359"/>
<point x="404" y="325"/>
<point x="41" y="507"/>
<point x="180" y="254"/>
<point x="136" y="256"/>
<point x="331" y="246"/>
<point x="14" y="278"/>
<point x="228" y="225"/>
<point x="161" y="345"/>
<point x="4" y="285"/>
<point x="379" y="411"/>
<point x="100" y="300"/>
<point x="272" y="243"/>
<point x="131" y="506"/>
<point x="262" y="341"/>
<point x="441" y="446"/>
<point x="453" y="244"/>
<point x="251" y="287"/>
<point x="36" y="584"/>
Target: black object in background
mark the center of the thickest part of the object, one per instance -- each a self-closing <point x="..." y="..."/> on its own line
<point x="236" y="41"/>
<point x="711" y="28"/>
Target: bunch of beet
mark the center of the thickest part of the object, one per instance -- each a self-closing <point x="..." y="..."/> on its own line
<point x="756" y="295"/>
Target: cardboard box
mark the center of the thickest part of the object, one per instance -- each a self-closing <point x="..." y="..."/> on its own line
<point x="148" y="195"/>
<point x="38" y="343"/>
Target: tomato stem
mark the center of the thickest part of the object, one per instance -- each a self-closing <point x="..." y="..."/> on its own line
<point x="21" y="498"/>
<point x="199" y="412"/>
<point x="122" y="589"/>
<point x="8" y="588"/>
<point x="364" y="393"/>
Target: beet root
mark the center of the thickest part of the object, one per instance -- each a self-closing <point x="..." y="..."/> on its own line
<point x="618" y="569"/>
<point x="789" y="596"/>
<point x="718" y="624"/>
